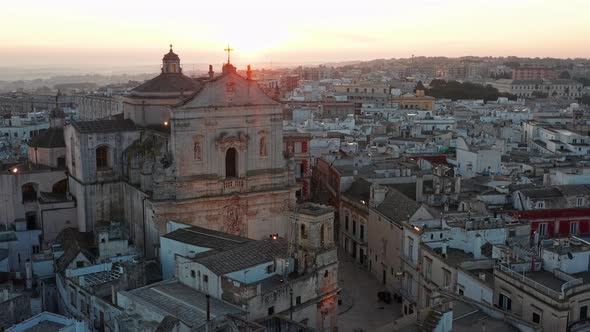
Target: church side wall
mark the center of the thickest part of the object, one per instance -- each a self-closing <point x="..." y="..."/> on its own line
<point x="133" y="206"/>
<point x="97" y="202"/>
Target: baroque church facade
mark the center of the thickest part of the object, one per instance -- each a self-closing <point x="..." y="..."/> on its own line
<point x="206" y="152"/>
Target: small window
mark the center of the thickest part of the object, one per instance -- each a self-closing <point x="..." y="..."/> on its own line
<point x="326" y="274"/>
<point x="271" y="311"/>
<point x="542" y="229"/>
<point x="540" y="205"/>
<point x="584" y="312"/>
<point x="536" y="318"/>
<point x="298" y="300"/>
<point x="102" y="153"/>
<point x="270" y="268"/>
<point x="193" y="274"/>
<point x="580" y="201"/>
<point x="205" y="278"/>
<point x="79" y="264"/>
<point x="573" y="228"/>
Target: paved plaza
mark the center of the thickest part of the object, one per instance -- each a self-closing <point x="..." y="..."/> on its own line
<point x="360" y="309"/>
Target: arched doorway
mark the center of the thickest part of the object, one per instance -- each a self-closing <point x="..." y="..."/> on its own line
<point x="231" y="159"/>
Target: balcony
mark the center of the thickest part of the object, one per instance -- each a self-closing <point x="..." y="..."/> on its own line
<point x="232" y="185"/>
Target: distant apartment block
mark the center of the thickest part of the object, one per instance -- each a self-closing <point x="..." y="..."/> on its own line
<point x="533" y="73"/>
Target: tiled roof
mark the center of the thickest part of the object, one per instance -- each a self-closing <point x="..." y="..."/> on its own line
<point x="183" y="302"/>
<point x="397" y="206"/>
<point x="359" y="190"/>
<point x="104" y="126"/>
<point x="169" y="82"/>
<point x="50" y="138"/>
<point x="243" y="256"/>
<point x="207" y="238"/>
<point x="542" y="193"/>
<point x="73" y="242"/>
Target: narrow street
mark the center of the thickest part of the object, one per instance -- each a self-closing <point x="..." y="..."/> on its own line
<point x="361" y="310"/>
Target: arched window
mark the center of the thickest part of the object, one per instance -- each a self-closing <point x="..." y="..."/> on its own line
<point x="303" y="232"/>
<point x="29" y="192"/>
<point x="231" y="159"/>
<point x="102" y="157"/>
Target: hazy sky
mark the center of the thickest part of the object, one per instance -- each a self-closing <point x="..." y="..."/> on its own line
<point x="134" y="32"/>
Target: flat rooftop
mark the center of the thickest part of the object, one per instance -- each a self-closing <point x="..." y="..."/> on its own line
<point x="546" y="279"/>
<point x="45" y="326"/>
<point x="455" y="256"/>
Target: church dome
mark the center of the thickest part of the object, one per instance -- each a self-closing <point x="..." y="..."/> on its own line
<point x="168" y="83"/>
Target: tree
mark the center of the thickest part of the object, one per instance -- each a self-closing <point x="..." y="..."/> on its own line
<point x="455" y="90"/>
<point x="584" y="80"/>
<point x="539" y="94"/>
<point x="512" y="64"/>
<point x="419" y="86"/>
<point x="565" y="75"/>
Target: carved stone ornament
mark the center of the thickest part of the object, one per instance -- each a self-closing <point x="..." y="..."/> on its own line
<point x="234" y="222"/>
<point x="225" y="141"/>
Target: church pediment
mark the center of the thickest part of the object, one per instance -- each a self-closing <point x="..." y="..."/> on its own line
<point x="229" y="90"/>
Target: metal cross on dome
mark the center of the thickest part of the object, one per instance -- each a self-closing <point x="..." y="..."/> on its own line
<point x="228" y="50"/>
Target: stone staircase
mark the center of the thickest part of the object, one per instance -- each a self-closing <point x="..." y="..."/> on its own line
<point x="431" y="322"/>
<point x="36" y="306"/>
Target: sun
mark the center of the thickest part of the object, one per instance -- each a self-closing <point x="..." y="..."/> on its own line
<point x="251" y="40"/>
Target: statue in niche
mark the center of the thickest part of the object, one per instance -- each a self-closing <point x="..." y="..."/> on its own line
<point x="197" y="150"/>
<point x="263" y="146"/>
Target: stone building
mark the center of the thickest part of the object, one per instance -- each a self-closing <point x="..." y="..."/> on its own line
<point x="35" y="191"/>
<point x="16" y="307"/>
<point x="206" y="152"/>
<point x="353" y="218"/>
<point x="293" y="277"/>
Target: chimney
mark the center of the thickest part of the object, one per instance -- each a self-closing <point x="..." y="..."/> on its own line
<point x="249" y="73"/>
<point x="208" y="297"/>
<point x="211" y="72"/>
<point x="419" y="188"/>
<point x="482" y="276"/>
<point x="377" y="194"/>
<point x="546" y="179"/>
<point x="29" y="274"/>
<point x="477" y="247"/>
<point x="444" y="248"/>
<point x="113" y="295"/>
